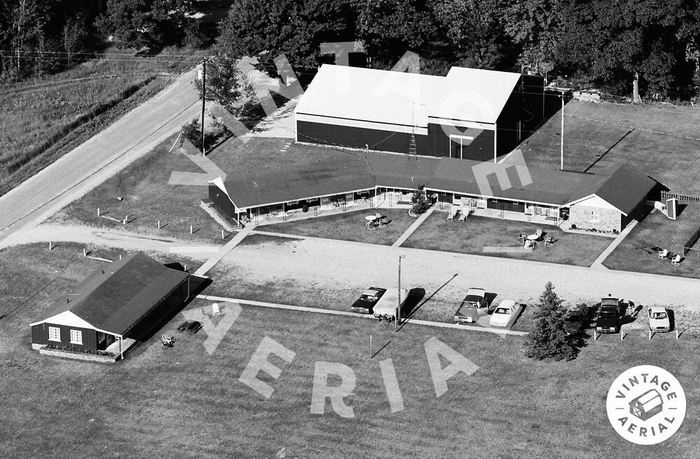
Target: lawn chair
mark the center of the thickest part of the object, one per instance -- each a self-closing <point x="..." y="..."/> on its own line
<point x="168" y="341"/>
<point x="521" y="238"/>
<point x="530" y="244"/>
<point x="663" y="254"/>
<point x="452" y="213"/>
<point x="549" y="241"/>
<point x="676" y="260"/>
<point x="463" y="216"/>
<point x="538" y="234"/>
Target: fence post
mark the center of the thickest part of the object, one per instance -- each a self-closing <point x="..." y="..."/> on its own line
<point x="595" y="334"/>
<point x="158" y="224"/>
<point x="677" y="335"/>
<point x="50" y="246"/>
<point x="191" y="229"/>
<point x="222" y="234"/>
<point x="126" y="217"/>
<point x="98" y="211"/>
<point x="622" y="334"/>
<point x="84" y="253"/>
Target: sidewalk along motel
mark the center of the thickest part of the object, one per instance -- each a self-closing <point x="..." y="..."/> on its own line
<point x="113" y="308"/>
<point x="467" y="114"/>
<point x="353" y="180"/>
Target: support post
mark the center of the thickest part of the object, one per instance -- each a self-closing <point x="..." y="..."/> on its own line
<point x="561" y="162"/>
<point x="126" y="218"/>
<point x="222" y="235"/>
<point x="191" y="229"/>
<point x="650" y="334"/>
<point x="84" y="253"/>
<point x="158" y="224"/>
<point x="677" y="334"/>
<point x="398" y="306"/>
<point x="370" y="346"/>
<point x="622" y="334"/>
<point x="595" y="334"/>
<point x="98" y="211"/>
<point x="50" y="246"/>
<point x="204" y="98"/>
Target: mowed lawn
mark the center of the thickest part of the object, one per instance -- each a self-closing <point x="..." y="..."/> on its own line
<point x="478" y="234"/>
<point x="184" y="401"/>
<point x="657" y="231"/>
<point x="147" y="198"/>
<point x="348" y="226"/>
<point x="660" y="141"/>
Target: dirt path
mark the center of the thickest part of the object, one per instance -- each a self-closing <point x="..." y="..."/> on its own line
<point x="110" y="238"/>
<point x="102" y="156"/>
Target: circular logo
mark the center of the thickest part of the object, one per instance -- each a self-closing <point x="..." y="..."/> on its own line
<point x="646" y="405"/>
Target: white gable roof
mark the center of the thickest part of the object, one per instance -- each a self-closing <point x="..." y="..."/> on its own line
<point x="66" y="318"/>
<point x="407" y="99"/>
<point x="595" y="201"/>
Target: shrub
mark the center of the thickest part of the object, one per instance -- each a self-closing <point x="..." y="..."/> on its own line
<point x="420" y="201"/>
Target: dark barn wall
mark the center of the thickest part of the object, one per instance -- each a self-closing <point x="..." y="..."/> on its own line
<point x="481" y="148"/>
<point x="355" y="137"/>
<point x="508" y="124"/>
<point x="161" y="313"/>
<point x="89" y="338"/>
<point x="221" y="202"/>
<point x="38" y="336"/>
<point x="533" y="109"/>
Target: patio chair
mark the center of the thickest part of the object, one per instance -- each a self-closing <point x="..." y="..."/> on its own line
<point x="538" y="233"/>
<point x="676" y="260"/>
<point x="663" y="254"/>
<point x="452" y="213"/>
<point x="521" y="238"/>
<point x="549" y="241"/>
<point x="463" y="216"/>
<point x="168" y="341"/>
<point x="530" y="244"/>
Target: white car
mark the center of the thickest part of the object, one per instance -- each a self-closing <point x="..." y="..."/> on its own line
<point x="504" y="313"/>
<point x="658" y="319"/>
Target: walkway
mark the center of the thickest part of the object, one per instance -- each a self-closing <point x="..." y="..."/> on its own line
<point x="411" y="229"/>
<point x="598" y="263"/>
<point x="211" y="262"/>
<point x="358" y="315"/>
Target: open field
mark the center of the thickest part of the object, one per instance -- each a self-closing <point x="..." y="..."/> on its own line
<point x="438" y="233"/>
<point x="348" y="226"/>
<point x="184" y="401"/>
<point x="146" y="198"/>
<point x="661" y="141"/>
<point x="657" y="231"/>
<point x="44" y="119"/>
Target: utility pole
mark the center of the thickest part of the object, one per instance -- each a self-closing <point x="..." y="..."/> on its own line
<point x="204" y="98"/>
<point x="398" y="308"/>
<point x="561" y="166"/>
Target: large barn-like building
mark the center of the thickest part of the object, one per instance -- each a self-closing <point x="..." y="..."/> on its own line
<point x="468" y="114"/>
<point x="120" y="304"/>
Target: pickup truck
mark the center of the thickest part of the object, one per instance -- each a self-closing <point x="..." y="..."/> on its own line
<point x="365" y="303"/>
<point x="387" y="305"/>
<point x="609" y="319"/>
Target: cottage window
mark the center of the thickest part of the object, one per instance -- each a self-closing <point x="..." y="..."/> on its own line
<point x="54" y="334"/>
<point x="76" y="337"/>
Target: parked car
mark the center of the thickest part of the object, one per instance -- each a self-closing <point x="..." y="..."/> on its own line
<point x="658" y="319"/>
<point x="365" y="303"/>
<point x="609" y="319"/>
<point x="386" y="306"/>
<point x="468" y="311"/>
<point x="576" y="318"/>
<point x="504" y="313"/>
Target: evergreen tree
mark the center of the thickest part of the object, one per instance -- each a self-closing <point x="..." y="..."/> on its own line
<point x="549" y="339"/>
<point x="421" y="202"/>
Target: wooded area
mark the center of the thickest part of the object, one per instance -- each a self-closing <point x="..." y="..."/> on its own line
<point x="610" y="45"/>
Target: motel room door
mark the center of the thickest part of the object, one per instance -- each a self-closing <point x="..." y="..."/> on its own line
<point x="459" y="144"/>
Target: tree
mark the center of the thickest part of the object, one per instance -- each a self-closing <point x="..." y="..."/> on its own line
<point x="474" y="31"/>
<point x="533" y="25"/>
<point x="295" y="28"/>
<point x="145" y="23"/>
<point x="226" y="84"/>
<point x="550" y="339"/>
<point x="625" y="42"/>
<point x="420" y="201"/>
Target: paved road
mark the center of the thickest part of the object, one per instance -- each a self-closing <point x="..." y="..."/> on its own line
<point x="102" y="156"/>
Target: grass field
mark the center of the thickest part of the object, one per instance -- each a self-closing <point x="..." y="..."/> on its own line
<point x="184" y="401"/>
<point x="44" y="119"/>
<point x="348" y="226"/>
<point x="438" y="233"/>
<point x="658" y="231"/>
<point x="147" y="198"/>
<point x="661" y="141"/>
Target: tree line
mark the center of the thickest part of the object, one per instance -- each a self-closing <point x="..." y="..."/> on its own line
<point x="611" y="45"/>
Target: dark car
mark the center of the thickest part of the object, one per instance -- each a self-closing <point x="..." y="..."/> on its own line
<point x="576" y="319"/>
<point x="609" y="319"/>
<point x="365" y="303"/>
<point x="468" y="311"/>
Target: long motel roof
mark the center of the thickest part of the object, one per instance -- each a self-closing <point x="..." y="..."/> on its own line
<point x="359" y="171"/>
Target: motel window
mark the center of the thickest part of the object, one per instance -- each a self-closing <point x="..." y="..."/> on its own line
<point x="54" y="334"/>
<point x="76" y="337"/>
<point x="459" y="144"/>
